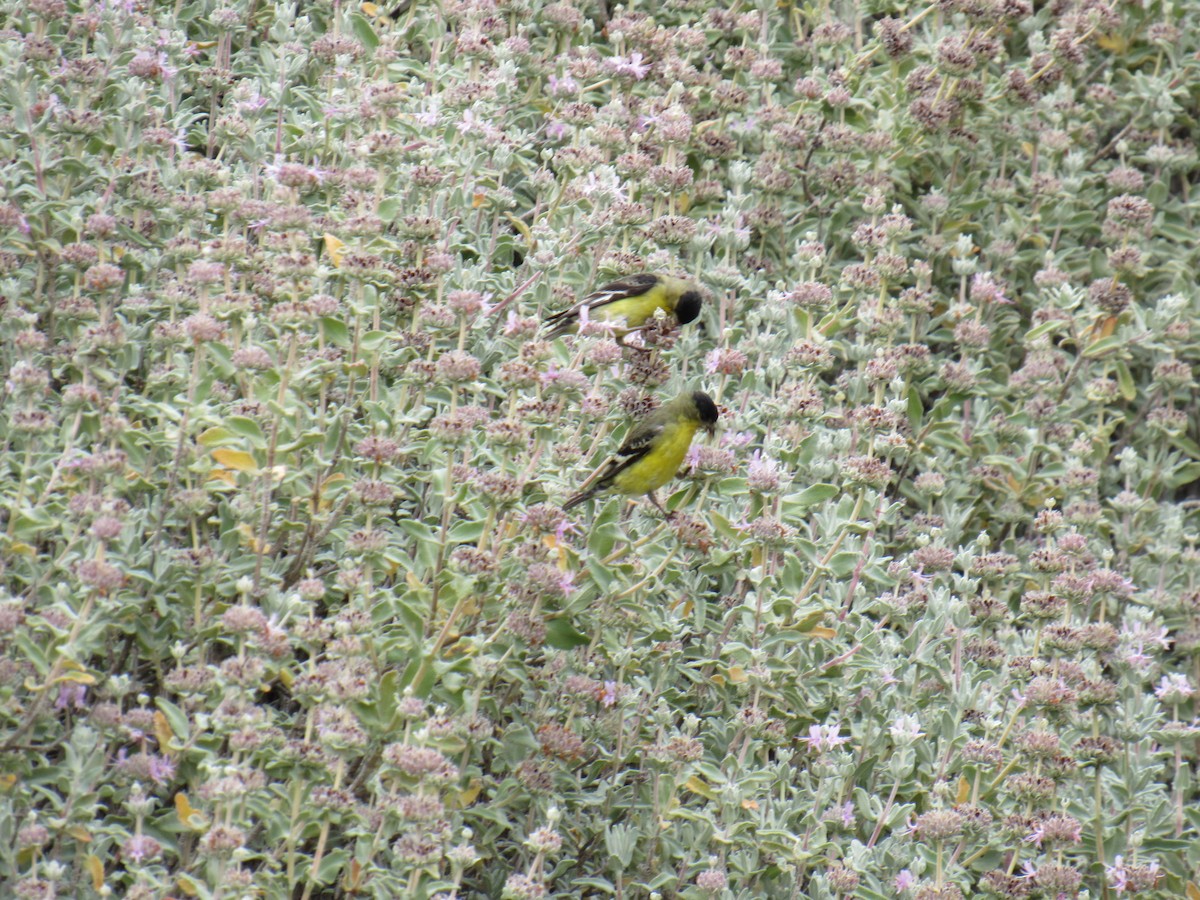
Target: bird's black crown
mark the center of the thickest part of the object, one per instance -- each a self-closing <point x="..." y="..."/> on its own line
<point x="708" y="409"/>
<point x="688" y="307"/>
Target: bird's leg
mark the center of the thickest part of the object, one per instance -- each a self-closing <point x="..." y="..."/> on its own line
<point x="634" y="347"/>
<point x="667" y="515"/>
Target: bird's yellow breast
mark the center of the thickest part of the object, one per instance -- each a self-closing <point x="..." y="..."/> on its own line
<point x="634" y="310"/>
<point x="658" y="466"/>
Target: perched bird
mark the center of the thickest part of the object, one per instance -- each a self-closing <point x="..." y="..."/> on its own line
<point x="653" y="451"/>
<point x="629" y="302"/>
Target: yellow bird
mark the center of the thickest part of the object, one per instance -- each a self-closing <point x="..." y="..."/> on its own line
<point x="629" y="302"/>
<point x="653" y="451"/>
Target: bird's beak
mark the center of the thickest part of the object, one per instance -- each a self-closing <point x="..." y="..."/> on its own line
<point x="711" y="429"/>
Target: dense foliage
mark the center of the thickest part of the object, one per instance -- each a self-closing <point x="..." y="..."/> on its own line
<point x="289" y="606"/>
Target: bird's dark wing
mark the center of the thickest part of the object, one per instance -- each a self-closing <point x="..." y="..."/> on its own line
<point x="633" y="286"/>
<point x="636" y="446"/>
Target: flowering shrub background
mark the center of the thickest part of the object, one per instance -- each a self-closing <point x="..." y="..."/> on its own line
<point x="289" y="607"/>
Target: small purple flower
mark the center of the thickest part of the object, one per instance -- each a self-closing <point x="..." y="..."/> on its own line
<point x="823" y="737"/>
<point x="904" y="881"/>
<point x="469" y="122"/>
<point x="562" y="87"/>
<point x="162" y="769"/>
<point x="141" y="848"/>
<point x="985" y="289"/>
<point x="252" y="104"/>
<point x="609" y="696"/>
<point x="643" y="122"/>
<point x="1139" y="637"/>
<point x="1174" y="689"/>
<point x="906" y="729"/>
<point x="1118" y="877"/>
<point x="743" y="127"/>
<point x="428" y="118"/>
<point x="566" y="582"/>
<point x="635" y="66"/>
<point x="72" y="696"/>
<point x="762" y="474"/>
<point x="563" y="527"/>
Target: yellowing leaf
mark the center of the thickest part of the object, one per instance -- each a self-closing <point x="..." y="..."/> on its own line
<point x="74" y="673"/>
<point x="96" y="870"/>
<point x="810" y="620"/>
<point x="523" y="230"/>
<point x="22" y="549"/>
<point x="202" y="45"/>
<point x="737" y="675"/>
<point x="370" y="9"/>
<point x="1114" y="43"/>
<point x="822" y="631"/>
<point x="352" y="879"/>
<point x="76" y="678"/>
<point x="223" y="475"/>
<point x="187" y="886"/>
<point x="7" y="781"/>
<point x="238" y="460"/>
<point x="478" y="199"/>
<point x="286" y="678"/>
<point x="1104" y="327"/>
<point x="464" y="798"/>
<point x="210" y="437"/>
<point x="188" y="815"/>
<point x="697" y="785"/>
<point x="162" y="730"/>
<point x="324" y="502"/>
<point x="964" y="791"/>
<point x="683" y="606"/>
<point x="560" y="551"/>
<point x="336" y="249"/>
<point x="749" y="804"/>
<point x="80" y="834"/>
<point x="251" y="540"/>
<point x="1193" y="892"/>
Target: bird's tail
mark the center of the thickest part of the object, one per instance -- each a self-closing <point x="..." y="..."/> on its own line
<point x="577" y="499"/>
<point x="559" y="324"/>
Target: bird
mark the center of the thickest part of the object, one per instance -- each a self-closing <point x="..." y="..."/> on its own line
<point x="629" y="302"/>
<point x="653" y="451"/>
